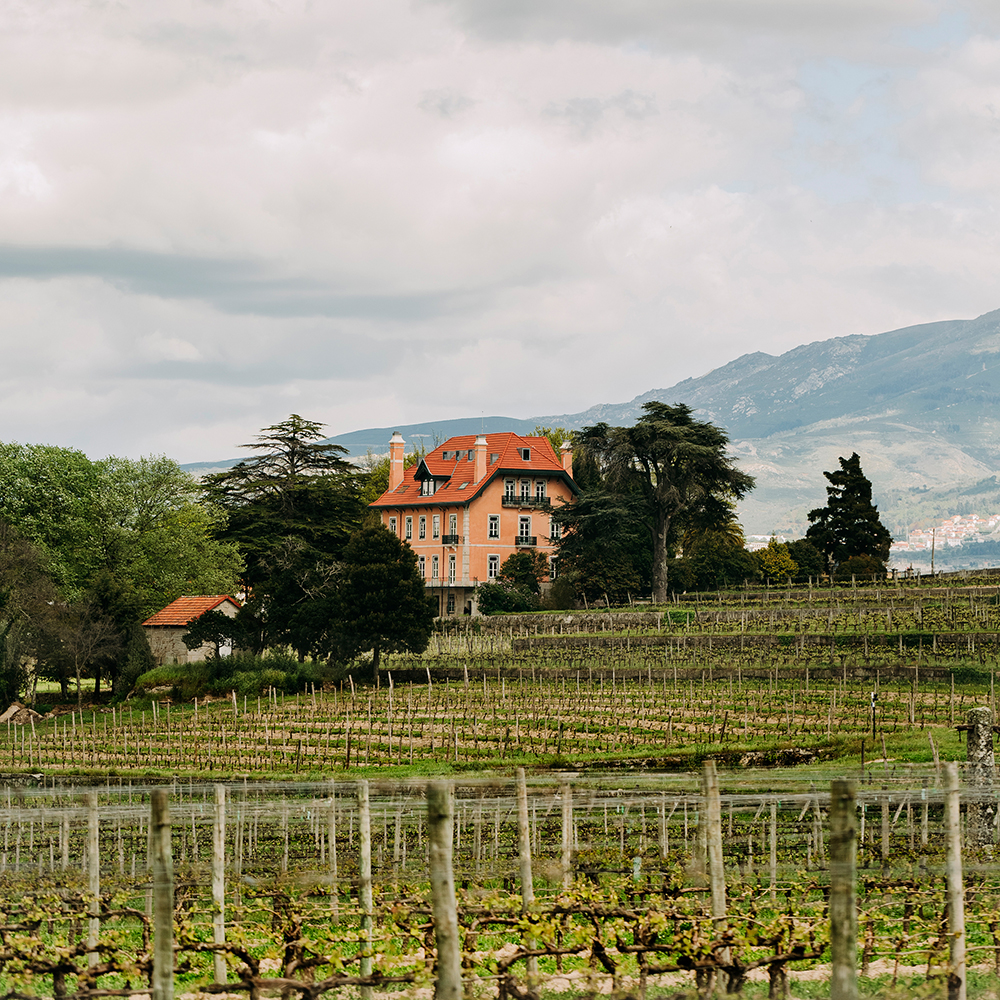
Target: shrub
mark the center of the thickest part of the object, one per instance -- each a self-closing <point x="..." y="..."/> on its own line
<point x="505" y="598"/>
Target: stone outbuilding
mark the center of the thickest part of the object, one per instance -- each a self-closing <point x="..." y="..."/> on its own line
<point x="167" y="628"/>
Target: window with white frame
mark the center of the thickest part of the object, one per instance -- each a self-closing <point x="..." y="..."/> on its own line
<point x="422" y="526"/>
<point x="508" y="487"/>
<point x="525" y="488"/>
<point x="553" y="568"/>
<point x="392" y="525"/>
<point x="428" y="487"/>
<point x="453" y="524"/>
<point x="436" y="526"/>
<point x="540" y="489"/>
<point x="525" y="454"/>
<point x="452" y="565"/>
<point x="555" y="531"/>
<point x="409" y="527"/>
<point x="422" y="567"/>
<point x="524" y="526"/>
<point x="434" y="567"/>
<point x="451" y="602"/>
<point x="494" y="527"/>
<point x="492" y="567"/>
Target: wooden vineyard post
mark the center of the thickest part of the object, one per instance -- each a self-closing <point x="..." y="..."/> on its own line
<point x="365" y="884"/>
<point x="163" y="897"/>
<point x="843" y="880"/>
<point x="332" y="839"/>
<point x="774" y="851"/>
<point x="567" y="834"/>
<point x="524" y="855"/>
<point x="93" y="876"/>
<point x="439" y="839"/>
<point x="712" y="824"/>
<point x="955" y="889"/>
<point x="713" y="834"/>
<point x="219" y="881"/>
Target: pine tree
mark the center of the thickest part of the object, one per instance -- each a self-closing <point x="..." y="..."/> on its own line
<point x="382" y="605"/>
<point x="848" y="527"/>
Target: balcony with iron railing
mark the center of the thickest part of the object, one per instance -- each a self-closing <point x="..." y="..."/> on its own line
<point x="533" y="503"/>
<point x="525" y="540"/>
<point x="452" y="539"/>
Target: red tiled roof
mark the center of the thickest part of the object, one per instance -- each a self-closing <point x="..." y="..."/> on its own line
<point x="184" y="610"/>
<point x="460" y="472"/>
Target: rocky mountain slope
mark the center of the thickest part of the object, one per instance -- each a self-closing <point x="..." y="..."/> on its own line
<point x="920" y="405"/>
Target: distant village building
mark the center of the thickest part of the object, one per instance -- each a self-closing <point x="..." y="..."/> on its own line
<point x="166" y="629"/>
<point x="472" y="502"/>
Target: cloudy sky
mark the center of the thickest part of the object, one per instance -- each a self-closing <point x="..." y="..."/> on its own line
<point x="214" y="213"/>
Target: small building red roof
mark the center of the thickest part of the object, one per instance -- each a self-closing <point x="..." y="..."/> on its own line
<point x="451" y="465"/>
<point x="184" y="610"/>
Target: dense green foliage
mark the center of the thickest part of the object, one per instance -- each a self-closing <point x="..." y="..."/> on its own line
<point x="381" y="603"/>
<point x="675" y="472"/>
<point x="604" y="552"/>
<point x="775" y="561"/>
<point x="502" y="597"/>
<point x="849" y="526"/>
<point x="290" y="509"/>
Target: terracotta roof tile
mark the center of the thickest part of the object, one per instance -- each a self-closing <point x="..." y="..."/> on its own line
<point x="459" y="470"/>
<point x="185" y="609"/>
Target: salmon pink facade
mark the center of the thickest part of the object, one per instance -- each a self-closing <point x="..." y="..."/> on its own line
<point x="470" y="503"/>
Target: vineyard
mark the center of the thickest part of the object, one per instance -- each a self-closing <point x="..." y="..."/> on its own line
<point x="306" y="888"/>
<point x="746" y="677"/>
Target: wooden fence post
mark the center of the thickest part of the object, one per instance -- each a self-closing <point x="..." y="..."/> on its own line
<point x="439" y="839"/>
<point x="332" y="853"/>
<point x="219" y="880"/>
<point x="163" y="897"/>
<point x="713" y="835"/>
<point x="712" y="825"/>
<point x="93" y="876"/>
<point x="566" y="795"/>
<point x="843" y="880"/>
<point x="955" y="888"/>
<point x="773" y="859"/>
<point x="365" y="884"/>
<point x="524" y="855"/>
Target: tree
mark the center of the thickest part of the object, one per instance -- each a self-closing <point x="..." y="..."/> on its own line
<point x="137" y="660"/>
<point x="716" y="557"/>
<point x="381" y="604"/>
<point x="214" y="627"/>
<point x="87" y="634"/>
<point x="502" y="597"/>
<point x="604" y="549"/>
<point x="290" y="510"/>
<point x="525" y="569"/>
<point x="776" y="562"/>
<point x="807" y="557"/>
<point x="678" y="469"/>
<point x="849" y="524"/>
<point x="28" y="608"/>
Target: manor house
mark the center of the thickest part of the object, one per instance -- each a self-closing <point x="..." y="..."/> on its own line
<point x="473" y="501"/>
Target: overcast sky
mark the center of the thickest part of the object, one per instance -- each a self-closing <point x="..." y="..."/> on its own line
<point x="213" y="214"/>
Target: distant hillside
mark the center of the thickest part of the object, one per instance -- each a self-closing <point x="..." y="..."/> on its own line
<point x="918" y="404"/>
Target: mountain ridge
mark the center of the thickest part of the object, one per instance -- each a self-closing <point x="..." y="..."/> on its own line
<point x="920" y="404"/>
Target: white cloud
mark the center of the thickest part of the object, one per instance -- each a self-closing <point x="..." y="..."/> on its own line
<point x="391" y="211"/>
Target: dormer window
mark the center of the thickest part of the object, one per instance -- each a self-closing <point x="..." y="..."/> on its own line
<point x="525" y="454"/>
<point x="493" y="458"/>
<point x="428" y="487"/>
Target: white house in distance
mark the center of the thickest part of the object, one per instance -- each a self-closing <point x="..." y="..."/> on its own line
<point x="166" y="629"/>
